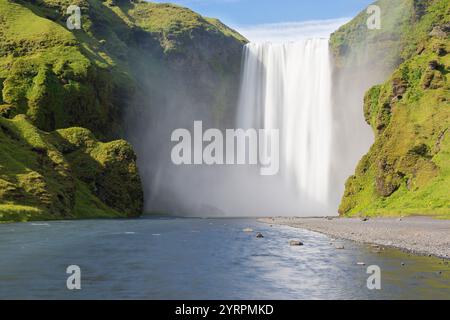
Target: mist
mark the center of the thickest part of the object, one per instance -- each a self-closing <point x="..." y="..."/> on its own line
<point x="175" y="100"/>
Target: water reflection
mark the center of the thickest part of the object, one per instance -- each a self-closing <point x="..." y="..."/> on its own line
<point x="204" y="259"/>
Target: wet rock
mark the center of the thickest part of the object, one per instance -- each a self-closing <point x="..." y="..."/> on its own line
<point x="340" y="247"/>
<point x="295" y="243"/>
<point x="364" y="219"/>
<point x="433" y="65"/>
<point x="399" y="87"/>
<point x="248" y="230"/>
<point x="259" y="235"/>
<point x="440" y="31"/>
<point x="427" y="80"/>
<point x="440" y="51"/>
<point x="420" y="49"/>
<point x="360" y="263"/>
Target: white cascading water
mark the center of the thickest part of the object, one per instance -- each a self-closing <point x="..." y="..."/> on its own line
<point x="288" y="87"/>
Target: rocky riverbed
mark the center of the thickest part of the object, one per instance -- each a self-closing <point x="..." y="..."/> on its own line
<point x="420" y="235"/>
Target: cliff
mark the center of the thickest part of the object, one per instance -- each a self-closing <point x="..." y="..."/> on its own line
<point x="66" y="93"/>
<point x="407" y="170"/>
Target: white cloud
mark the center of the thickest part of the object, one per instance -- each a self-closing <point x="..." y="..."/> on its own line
<point x="291" y="31"/>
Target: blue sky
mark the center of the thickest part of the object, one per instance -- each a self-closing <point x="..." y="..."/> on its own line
<point x="252" y="12"/>
<point x="286" y="19"/>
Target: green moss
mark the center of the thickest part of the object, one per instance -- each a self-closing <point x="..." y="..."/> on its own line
<point x="54" y="82"/>
<point x="19" y="213"/>
<point x="226" y="30"/>
<point x="108" y="169"/>
<point x="175" y="25"/>
<point x="46" y="176"/>
<point x="88" y="206"/>
<point x="355" y="45"/>
<point x="47" y="73"/>
<point x="407" y="170"/>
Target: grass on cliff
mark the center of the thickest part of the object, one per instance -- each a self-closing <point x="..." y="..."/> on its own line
<point x="407" y="170"/>
<point x="39" y="182"/>
<point x="61" y="78"/>
<point x="52" y="79"/>
<point x="354" y="45"/>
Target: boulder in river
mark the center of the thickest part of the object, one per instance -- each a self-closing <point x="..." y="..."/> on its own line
<point x="259" y="235"/>
<point x="295" y="243"/>
<point x="248" y="230"/>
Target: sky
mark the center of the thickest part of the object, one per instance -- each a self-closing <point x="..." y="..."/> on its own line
<point x="282" y="20"/>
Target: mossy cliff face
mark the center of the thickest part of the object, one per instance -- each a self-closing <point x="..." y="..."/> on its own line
<point x="357" y="47"/>
<point x="407" y="170"/>
<point x="64" y="174"/>
<point x="362" y="58"/>
<point x="89" y="77"/>
<point x="195" y="66"/>
<point x="62" y="89"/>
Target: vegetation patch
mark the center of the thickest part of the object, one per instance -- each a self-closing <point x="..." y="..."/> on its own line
<point x="407" y="170"/>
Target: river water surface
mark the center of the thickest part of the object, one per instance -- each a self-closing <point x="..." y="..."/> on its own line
<point x="203" y="259"/>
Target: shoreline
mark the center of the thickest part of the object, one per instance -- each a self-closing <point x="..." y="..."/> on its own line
<point x="417" y="235"/>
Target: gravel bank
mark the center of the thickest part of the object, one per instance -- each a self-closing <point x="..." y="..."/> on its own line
<point x="419" y="235"/>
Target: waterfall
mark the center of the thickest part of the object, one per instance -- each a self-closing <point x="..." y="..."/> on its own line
<point x="288" y="87"/>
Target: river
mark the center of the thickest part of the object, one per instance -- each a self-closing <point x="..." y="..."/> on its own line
<point x="169" y="258"/>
